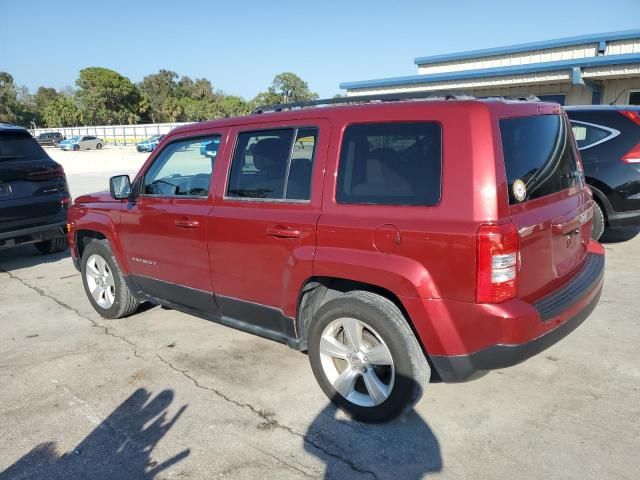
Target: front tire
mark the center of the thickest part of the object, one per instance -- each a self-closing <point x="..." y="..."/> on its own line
<point x="598" y="221"/>
<point x="76" y="148"/>
<point x="98" y="146"/>
<point x="366" y="358"/>
<point x="53" y="245"/>
<point x="104" y="283"/>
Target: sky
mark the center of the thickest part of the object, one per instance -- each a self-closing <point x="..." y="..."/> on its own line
<point x="240" y="45"/>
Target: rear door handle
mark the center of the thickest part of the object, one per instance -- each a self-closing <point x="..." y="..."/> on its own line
<point x="186" y="223"/>
<point x="280" y="231"/>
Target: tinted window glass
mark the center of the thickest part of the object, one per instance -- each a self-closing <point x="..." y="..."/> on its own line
<point x="390" y="164"/>
<point x="16" y="145"/>
<point x="273" y="164"/>
<point x="183" y="168"/>
<point x="634" y="98"/>
<point x="587" y="135"/>
<point x="538" y="151"/>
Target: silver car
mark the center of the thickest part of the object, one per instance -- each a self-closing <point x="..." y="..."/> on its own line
<point x="81" y="142"/>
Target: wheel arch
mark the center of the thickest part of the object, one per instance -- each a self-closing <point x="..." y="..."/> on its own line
<point x="96" y="226"/>
<point x="599" y="196"/>
<point x="318" y="290"/>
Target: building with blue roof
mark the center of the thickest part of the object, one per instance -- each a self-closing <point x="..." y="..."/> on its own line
<point x="595" y="69"/>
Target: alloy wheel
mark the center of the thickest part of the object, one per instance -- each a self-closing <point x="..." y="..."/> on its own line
<point x="357" y="362"/>
<point x="100" y="281"/>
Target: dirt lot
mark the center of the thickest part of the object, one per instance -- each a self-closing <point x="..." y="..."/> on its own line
<point x="164" y="395"/>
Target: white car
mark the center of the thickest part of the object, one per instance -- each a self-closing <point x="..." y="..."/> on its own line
<point x="81" y="142"/>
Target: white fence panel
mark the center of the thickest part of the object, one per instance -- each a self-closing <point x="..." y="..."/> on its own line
<point x="115" y="134"/>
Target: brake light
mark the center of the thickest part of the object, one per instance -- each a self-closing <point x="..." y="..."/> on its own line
<point x="632" y="115"/>
<point x="48" y="174"/>
<point x="497" y="269"/>
<point x="633" y="155"/>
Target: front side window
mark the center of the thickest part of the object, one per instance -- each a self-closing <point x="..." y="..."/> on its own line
<point x="538" y="151"/>
<point x="391" y="164"/>
<point x="273" y="164"/>
<point x="181" y="170"/>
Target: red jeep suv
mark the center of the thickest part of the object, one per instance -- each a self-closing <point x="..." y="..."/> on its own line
<point x="394" y="241"/>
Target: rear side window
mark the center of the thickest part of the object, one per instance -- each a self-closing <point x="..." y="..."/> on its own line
<point x="538" y="151"/>
<point x="273" y="164"/>
<point x="588" y="135"/>
<point x="391" y="164"/>
<point x="22" y="146"/>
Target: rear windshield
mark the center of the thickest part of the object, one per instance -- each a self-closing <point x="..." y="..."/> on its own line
<point x="390" y="164"/>
<point x="16" y="145"/>
<point x="538" y="151"/>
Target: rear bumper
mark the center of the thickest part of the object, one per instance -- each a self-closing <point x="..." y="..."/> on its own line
<point x="36" y="234"/>
<point x="624" y="219"/>
<point x="512" y="331"/>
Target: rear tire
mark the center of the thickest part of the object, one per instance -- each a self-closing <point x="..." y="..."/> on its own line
<point x="53" y="245"/>
<point x="383" y="374"/>
<point x="98" y="146"/>
<point x="109" y="294"/>
<point x="599" y="221"/>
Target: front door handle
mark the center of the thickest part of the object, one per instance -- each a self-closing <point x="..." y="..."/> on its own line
<point x="280" y="231"/>
<point x="186" y="223"/>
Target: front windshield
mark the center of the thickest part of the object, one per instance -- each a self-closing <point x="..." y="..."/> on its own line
<point x="75" y="139"/>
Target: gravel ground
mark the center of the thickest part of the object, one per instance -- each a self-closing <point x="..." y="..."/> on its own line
<point x="167" y="396"/>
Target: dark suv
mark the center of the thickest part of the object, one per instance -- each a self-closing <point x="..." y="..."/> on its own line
<point x="34" y="197"/>
<point x="608" y="138"/>
<point x="49" y="139"/>
<point x="395" y="241"/>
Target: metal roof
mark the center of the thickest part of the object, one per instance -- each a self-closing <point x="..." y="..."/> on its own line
<point x="523" y="47"/>
<point x="623" y="59"/>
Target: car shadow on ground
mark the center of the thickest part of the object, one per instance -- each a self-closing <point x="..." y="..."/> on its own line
<point x="26" y="256"/>
<point x="405" y="448"/>
<point x="120" y="447"/>
<point x="620" y="235"/>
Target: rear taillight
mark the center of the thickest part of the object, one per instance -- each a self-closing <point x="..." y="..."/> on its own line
<point x="633" y="155"/>
<point x="48" y="174"/>
<point x="631" y="115"/>
<point x="497" y="270"/>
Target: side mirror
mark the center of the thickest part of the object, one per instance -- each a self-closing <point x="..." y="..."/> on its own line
<point x="120" y="187"/>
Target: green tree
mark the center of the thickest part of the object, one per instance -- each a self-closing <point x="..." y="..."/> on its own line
<point x="230" y="106"/>
<point x="106" y="97"/>
<point x="62" y="112"/>
<point x="291" y="88"/>
<point x="15" y="102"/>
<point x="160" y="89"/>
<point x="43" y="96"/>
<point x="9" y="107"/>
<point x="172" y="110"/>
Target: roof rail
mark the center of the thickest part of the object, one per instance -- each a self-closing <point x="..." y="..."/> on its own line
<point x="386" y="97"/>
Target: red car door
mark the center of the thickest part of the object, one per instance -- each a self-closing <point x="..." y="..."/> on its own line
<point x="164" y="231"/>
<point x="262" y="231"/>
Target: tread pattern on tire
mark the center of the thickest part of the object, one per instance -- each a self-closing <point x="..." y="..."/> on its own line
<point x="126" y="301"/>
<point x="597" y="210"/>
<point x="53" y="245"/>
<point x="417" y="371"/>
